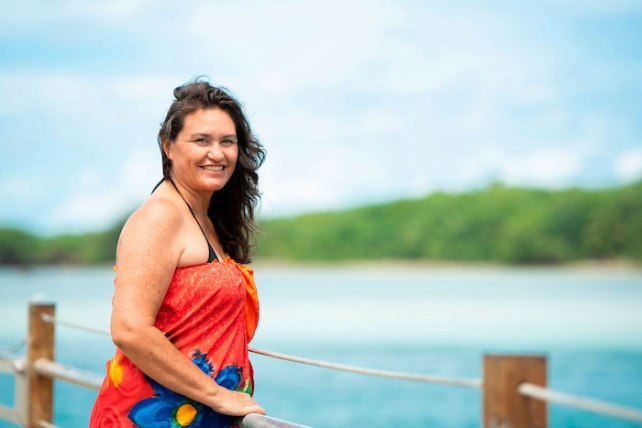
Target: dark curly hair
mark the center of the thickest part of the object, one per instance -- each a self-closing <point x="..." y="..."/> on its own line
<point x="231" y="208"/>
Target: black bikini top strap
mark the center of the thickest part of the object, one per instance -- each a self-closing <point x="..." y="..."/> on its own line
<point x="158" y="184"/>
<point x="212" y="254"/>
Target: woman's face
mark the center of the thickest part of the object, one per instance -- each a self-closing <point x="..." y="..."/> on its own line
<point x="205" y="151"/>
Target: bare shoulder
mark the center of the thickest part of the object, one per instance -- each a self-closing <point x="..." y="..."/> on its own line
<point x="151" y="229"/>
<point x="156" y="212"/>
<point x="148" y="252"/>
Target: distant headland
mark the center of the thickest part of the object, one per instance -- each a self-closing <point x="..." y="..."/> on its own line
<point x="499" y="224"/>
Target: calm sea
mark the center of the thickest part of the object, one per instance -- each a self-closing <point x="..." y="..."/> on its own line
<point x="426" y="320"/>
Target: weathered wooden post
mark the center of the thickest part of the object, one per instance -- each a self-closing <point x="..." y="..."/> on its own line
<point x="40" y="345"/>
<point x="503" y="406"/>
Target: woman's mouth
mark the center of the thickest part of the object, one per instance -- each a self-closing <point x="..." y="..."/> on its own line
<point x="213" y="167"/>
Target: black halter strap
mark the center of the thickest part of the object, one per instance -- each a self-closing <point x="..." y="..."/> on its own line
<point x="212" y="254"/>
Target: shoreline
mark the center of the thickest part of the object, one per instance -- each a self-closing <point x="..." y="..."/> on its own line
<point x="607" y="265"/>
<point x="612" y="265"/>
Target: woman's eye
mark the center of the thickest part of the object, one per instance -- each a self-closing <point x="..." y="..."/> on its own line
<point x="200" y="140"/>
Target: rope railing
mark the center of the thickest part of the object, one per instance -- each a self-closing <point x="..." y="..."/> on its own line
<point x="93" y="381"/>
<point x="526" y="389"/>
<point x="444" y="380"/>
<point x="469" y="383"/>
<point x="73" y="375"/>
<point x="55" y="320"/>
<point x="10" y="362"/>
<point x="578" y="402"/>
<point x="9" y="414"/>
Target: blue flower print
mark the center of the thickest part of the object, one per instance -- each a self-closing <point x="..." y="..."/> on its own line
<point x="168" y="409"/>
<point x="229" y="377"/>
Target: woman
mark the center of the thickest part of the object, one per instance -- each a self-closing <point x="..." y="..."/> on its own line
<point x="184" y="309"/>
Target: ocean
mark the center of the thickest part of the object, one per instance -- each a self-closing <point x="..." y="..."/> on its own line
<point x="419" y="319"/>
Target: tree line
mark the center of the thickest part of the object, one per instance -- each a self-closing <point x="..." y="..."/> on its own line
<point x="19" y="247"/>
<point x="499" y="224"/>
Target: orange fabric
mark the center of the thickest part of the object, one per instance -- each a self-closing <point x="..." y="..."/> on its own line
<point x="210" y="312"/>
<point x="251" y="298"/>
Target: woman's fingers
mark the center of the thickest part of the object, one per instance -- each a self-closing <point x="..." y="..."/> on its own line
<point x="257" y="409"/>
<point x="252" y="406"/>
<point x="236" y="403"/>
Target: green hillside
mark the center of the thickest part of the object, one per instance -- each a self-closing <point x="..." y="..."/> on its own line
<point x="18" y="247"/>
<point x="500" y="224"/>
<point x="512" y="225"/>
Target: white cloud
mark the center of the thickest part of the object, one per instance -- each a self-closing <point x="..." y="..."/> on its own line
<point x="141" y="170"/>
<point x="37" y="14"/>
<point x="542" y="167"/>
<point x="96" y="201"/>
<point x="20" y="188"/>
<point x="349" y="98"/>
<point x="149" y="94"/>
<point x="83" y="95"/>
<point x="300" y="45"/>
<point x="375" y="121"/>
<point x="88" y="179"/>
<point x="552" y="167"/>
<point x="598" y="7"/>
<point x="87" y="210"/>
<point x="628" y="165"/>
<point x="325" y="161"/>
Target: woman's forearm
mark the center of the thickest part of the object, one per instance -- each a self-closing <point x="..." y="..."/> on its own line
<point x="149" y="349"/>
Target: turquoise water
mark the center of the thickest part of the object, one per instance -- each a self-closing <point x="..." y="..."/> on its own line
<point x="427" y="320"/>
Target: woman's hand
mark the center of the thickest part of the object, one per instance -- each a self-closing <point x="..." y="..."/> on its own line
<point x="235" y="403"/>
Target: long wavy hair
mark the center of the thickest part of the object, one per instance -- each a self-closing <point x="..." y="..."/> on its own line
<point x="232" y="208"/>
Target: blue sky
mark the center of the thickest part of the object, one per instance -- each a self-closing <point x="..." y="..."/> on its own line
<point x="356" y="102"/>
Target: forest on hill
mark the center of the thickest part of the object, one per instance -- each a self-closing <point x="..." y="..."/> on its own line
<point x="498" y="224"/>
<point x="503" y="224"/>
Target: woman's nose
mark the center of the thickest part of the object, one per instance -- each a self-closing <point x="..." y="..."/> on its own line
<point x="215" y="152"/>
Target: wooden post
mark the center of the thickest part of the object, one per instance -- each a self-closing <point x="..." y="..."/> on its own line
<point x="503" y="406"/>
<point x="40" y="345"/>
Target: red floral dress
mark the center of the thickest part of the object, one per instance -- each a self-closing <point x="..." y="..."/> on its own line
<point x="210" y="313"/>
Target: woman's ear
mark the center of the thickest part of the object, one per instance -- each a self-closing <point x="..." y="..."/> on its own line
<point x="166" y="148"/>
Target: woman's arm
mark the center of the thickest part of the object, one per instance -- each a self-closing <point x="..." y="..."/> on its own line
<point x="147" y="255"/>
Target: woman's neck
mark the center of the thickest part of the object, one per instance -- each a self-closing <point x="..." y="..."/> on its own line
<point x="198" y="202"/>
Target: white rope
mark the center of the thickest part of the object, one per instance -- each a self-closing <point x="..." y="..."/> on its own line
<point x="470" y="383"/>
<point x="526" y="389"/>
<point x="45" y="424"/>
<point x="48" y="318"/>
<point x="12" y="349"/>
<point x="576" y="401"/>
<point x="69" y="374"/>
<point x="10" y="414"/>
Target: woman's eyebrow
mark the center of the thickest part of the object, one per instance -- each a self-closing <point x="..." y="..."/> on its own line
<point x="199" y="134"/>
<point x="206" y="135"/>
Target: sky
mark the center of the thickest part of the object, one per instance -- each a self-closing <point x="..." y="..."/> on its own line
<point x="356" y="102"/>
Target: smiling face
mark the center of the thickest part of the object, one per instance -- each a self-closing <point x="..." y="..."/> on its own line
<point x="205" y="151"/>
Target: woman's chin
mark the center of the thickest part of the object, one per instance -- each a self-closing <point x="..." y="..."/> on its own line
<point x="212" y="186"/>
